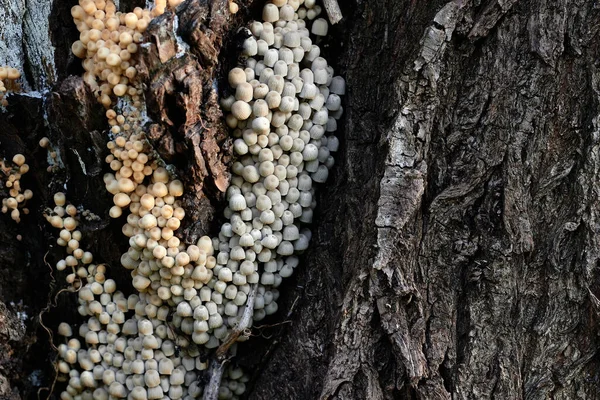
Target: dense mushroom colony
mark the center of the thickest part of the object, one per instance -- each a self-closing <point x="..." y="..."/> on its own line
<point x="16" y="199"/>
<point x="283" y="111"/>
<point x="8" y="78"/>
<point x="107" y="42"/>
<point x="128" y="348"/>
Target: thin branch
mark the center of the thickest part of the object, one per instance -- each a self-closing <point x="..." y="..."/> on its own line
<point x="241" y="326"/>
<point x="333" y="11"/>
<point x="211" y="391"/>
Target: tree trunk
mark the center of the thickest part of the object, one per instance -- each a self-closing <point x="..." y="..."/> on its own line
<point x="455" y="247"/>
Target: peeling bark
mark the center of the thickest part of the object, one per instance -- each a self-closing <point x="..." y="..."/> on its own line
<point x="182" y="99"/>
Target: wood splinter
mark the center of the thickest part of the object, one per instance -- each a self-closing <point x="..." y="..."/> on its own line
<point x="333" y="11"/>
<point x="211" y="392"/>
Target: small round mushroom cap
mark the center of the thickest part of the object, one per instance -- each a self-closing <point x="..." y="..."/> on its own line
<point x="273" y="99"/>
<point x="263" y="203"/>
<point x="64" y="329"/>
<point x="150" y="342"/>
<point x="237" y="202"/>
<point x="256" y="28"/>
<point x="243" y="92"/>
<point x="13" y="73"/>
<point x="280" y="68"/>
<point x="292" y="39"/>
<point x="165" y="366"/>
<point x="309" y="91"/>
<point x="184" y="309"/>
<point x="306" y="216"/>
<point x="320" y="76"/>
<point x="333" y="102"/>
<point x="141" y="282"/>
<point x="261" y="125"/>
<point x="117" y="390"/>
<point x="151" y="378"/>
<point x="137" y="367"/>
<point x="319" y="27"/>
<point x="270" y="13"/>
<point x="250" y="174"/>
<point x="333" y="143"/>
<point x="250" y="47"/>
<point x="155" y="393"/>
<point x="304" y="182"/>
<point x="338" y="85"/>
<point x="227" y="102"/>
<point x="286" y="13"/>
<point x="271" y="57"/>
<point x="205" y="245"/>
<point x="276" y="83"/>
<point x="19" y="159"/>
<point x="176" y="188"/>
<point x="145" y="327"/>
<point x="285" y="248"/>
<point x="139" y="393"/>
<point x="236" y="76"/>
<point x="310" y="152"/>
<point x="177" y="376"/>
<point x="271" y="308"/>
<point x="291" y="232"/>
<point x="321" y="175"/>
<point x="269" y="242"/>
<point x="215" y="321"/>
<point x="260" y="91"/>
<point x="286" y="271"/>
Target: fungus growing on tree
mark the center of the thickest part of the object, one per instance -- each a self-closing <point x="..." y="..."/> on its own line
<point x="8" y="81"/>
<point x="196" y="297"/>
<point x="16" y="201"/>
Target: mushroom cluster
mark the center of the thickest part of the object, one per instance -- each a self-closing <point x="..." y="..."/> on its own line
<point x="107" y="42"/>
<point x="66" y="218"/>
<point x="128" y="347"/>
<point x="204" y="298"/>
<point x="283" y="111"/>
<point x="8" y="77"/>
<point x="15" y="202"/>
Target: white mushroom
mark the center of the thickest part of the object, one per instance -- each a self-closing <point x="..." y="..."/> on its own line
<point x="319" y="27"/>
<point x="270" y="13"/>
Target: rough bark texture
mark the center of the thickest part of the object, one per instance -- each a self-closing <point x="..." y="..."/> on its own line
<point x="457" y="247"/>
<point x="455" y="253"/>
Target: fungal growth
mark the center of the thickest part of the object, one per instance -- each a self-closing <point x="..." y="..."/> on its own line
<point x="282" y="113"/>
<point x="8" y="81"/>
<point x="53" y="161"/>
<point x="193" y="301"/>
<point x="127" y="347"/>
<point x="107" y="42"/>
<point x="15" y="203"/>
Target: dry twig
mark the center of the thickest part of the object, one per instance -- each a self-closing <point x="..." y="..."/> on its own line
<point x="333" y="11"/>
<point x="211" y="391"/>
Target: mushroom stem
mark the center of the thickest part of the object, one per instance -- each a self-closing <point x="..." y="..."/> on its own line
<point x="211" y="391"/>
<point x="333" y="11"/>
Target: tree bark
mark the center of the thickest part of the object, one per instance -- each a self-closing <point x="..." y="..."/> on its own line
<point x="456" y="244"/>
